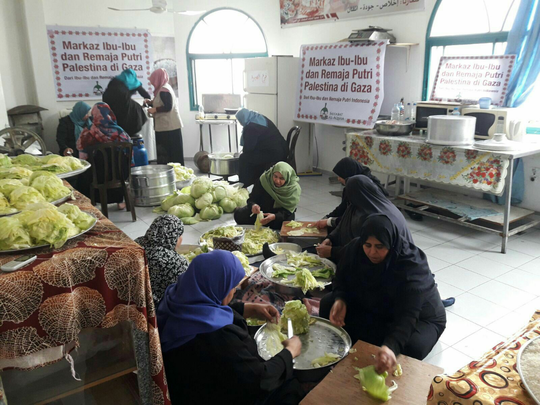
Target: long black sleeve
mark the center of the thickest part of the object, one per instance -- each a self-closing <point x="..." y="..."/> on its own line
<point x="143" y="93"/>
<point x="339" y="210"/>
<point x="167" y="100"/>
<point x="340" y="283"/>
<point x="65" y="135"/>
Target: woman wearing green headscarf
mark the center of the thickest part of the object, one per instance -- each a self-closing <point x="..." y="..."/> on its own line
<point x="70" y="128"/>
<point x="276" y="194"/>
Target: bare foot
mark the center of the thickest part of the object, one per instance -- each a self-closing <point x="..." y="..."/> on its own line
<point x="121" y="206"/>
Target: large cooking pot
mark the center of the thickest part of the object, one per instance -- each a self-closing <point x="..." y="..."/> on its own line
<point x="224" y="163"/>
<point x="151" y="184"/>
<point x="451" y="130"/>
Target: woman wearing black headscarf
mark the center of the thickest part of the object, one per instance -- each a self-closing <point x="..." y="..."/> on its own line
<point x="345" y="168"/>
<point x="364" y="197"/>
<point x="385" y="294"/>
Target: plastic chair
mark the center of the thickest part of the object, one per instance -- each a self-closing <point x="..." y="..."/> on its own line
<point x="111" y="169"/>
<point x="292" y="138"/>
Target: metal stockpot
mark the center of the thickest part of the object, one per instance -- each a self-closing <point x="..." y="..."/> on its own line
<point x="151" y="184"/>
<point x="222" y="164"/>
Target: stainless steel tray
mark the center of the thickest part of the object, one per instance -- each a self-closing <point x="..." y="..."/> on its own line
<point x="518" y="366"/>
<point x="45" y="245"/>
<point x="75" y="172"/>
<point x="293" y="247"/>
<point x="245" y="227"/>
<point x="322" y="337"/>
<point x="57" y="202"/>
<point x="266" y="269"/>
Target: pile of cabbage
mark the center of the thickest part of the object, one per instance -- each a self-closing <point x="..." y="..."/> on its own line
<point x="40" y="187"/>
<point x="181" y="173"/>
<point x="43" y="224"/>
<point x="255" y="239"/>
<point x="229" y="231"/>
<point x="204" y="200"/>
<point x="21" y="167"/>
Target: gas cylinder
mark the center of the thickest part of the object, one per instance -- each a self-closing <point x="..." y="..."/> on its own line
<point x="140" y="154"/>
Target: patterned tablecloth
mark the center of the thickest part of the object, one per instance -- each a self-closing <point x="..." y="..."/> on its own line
<point x="492" y="380"/>
<point x="411" y="156"/>
<point x="94" y="281"/>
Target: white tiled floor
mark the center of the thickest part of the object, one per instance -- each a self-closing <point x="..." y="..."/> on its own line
<point x="495" y="294"/>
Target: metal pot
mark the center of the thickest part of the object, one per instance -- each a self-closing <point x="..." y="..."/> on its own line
<point x="394" y="128"/>
<point x="451" y="130"/>
<point x="151" y="184"/>
<point x="222" y="164"/>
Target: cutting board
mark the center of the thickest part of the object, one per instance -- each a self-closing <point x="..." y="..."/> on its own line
<point x="321" y="233"/>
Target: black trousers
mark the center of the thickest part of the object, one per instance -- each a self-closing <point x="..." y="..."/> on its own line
<point x="170" y="147"/>
<point x="289" y="393"/>
<point x="421" y="342"/>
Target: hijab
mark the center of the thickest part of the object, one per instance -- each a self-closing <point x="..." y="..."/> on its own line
<point x="286" y="196"/>
<point x="129" y="78"/>
<point x="164" y="263"/>
<point x="348" y="167"/>
<point x="104" y="128"/>
<point x="193" y="305"/>
<point x="245" y="117"/>
<point x="158" y="79"/>
<point x="77" y="117"/>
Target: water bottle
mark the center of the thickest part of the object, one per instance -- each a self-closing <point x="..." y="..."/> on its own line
<point x="456" y="111"/>
<point x="401" y="110"/>
<point x="408" y="111"/>
<point x="201" y="112"/>
<point x="395" y="113"/>
<point x="413" y="112"/>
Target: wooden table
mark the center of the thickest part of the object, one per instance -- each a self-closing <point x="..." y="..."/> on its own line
<point x="340" y="386"/>
<point x="320" y="234"/>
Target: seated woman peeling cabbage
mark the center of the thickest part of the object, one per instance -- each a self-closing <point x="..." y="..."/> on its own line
<point x="276" y="194"/>
<point x="385" y="294"/>
<point x="208" y="354"/>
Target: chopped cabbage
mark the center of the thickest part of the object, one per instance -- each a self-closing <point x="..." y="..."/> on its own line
<point x="244" y="261"/>
<point x="15" y="173"/>
<point x="45" y="159"/>
<point x="39" y="173"/>
<point x="227" y="204"/>
<point x="282" y="271"/>
<point x="222" y="232"/>
<point x="8" y="185"/>
<point x="212" y="211"/>
<point x="181" y="211"/>
<point x="326" y="272"/>
<point x="294" y="224"/>
<point x="274" y="337"/>
<point x="398" y="372"/>
<point x="13" y="235"/>
<point x="373" y="383"/>
<point x="52" y="188"/>
<point x="49" y="226"/>
<point x="81" y="219"/>
<point x="299" y="316"/>
<point x="302" y="259"/>
<point x="255" y="322"/>
<point x="194" y="253"/>
<point x="260" y="217"/>
<point x="203" y="201"/>
<point x="278" y="250"/>
<point x="25" y="160"/>
<point x="73" y="162"/>
<point x="254" y="240"/>
<point x="5" y="161"/>
<point x="325" y="360"/>
<point x="305" y="281"/>
<point x="23" y="196"/>
<point x="200" y="186"/>
<point x="181" y="173"/>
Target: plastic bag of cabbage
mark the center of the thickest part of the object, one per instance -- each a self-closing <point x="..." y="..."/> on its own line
<point x="43" y="224"/>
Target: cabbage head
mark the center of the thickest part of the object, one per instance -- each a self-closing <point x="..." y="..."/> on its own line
<point x="203" y="201"/>
<point x="241" y="197"/>
<point x="175" y="199"/>
<point x="45" y="159"/>
<point x="219" y="193"/>
<point x="212" y="211"/>
<point x="26" y="160"/>
<point x="200" y="186"/>
<point x="8" y="185"/>
<point x="186" y="190"/>
<point x="5" y="161"/>
<point x="12" y="234"/>
<point x="373" y="383"/>
<point x="51" y="187"/>
<point x="299" y="317"/>
<point x="181" y="211"/>
<point x="15" y="173"/>
<point x="5" y="208"/>
<point x="81" y="219"/>
<point x="49" y="226"/>
<point x="73" y="162"/>
<point x="227" y="204"/>
<point x="23" y="196"/>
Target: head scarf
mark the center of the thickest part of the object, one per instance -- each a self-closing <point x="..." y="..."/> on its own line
<point x="164" y="263"/>
<point x="366" y="198"/>
<point x="129" y="78"/>
<point x="193" y="305"/>
<point x="158" y="79"/>
<point x="245" y="117"/>
<point x="77" y="117"/>
<point x="104" y="128"/>
<point x="286" y="196"/>
<point x="348" y="167"/>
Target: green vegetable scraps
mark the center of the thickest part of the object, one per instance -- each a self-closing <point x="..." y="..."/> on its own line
<point x="244" y="261"/>
<point x="325" y="360"/>
<point x="255" y="322"/>
<point x="182" y="173"/>
<point x="299" y="316"/>
<point x="194" y="253"/>
<point x="254" y="240"/>
<point x="222" y="232"/>
<point x="260" y="217"/>
<point x="302" y="259"/>
<point x="375" y="384"/>
<point x="294" y="224"/>
<point x="305" y="281"/>
<point x="398" y="372"/>
<point x="326" y="272"/>
<point x="274" y="337"/>
<point x="282" y="271"/>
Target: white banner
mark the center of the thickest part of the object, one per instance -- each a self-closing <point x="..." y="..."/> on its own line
<point x="468" y="78"/>
<point x="295" y="12"/>
<point x="341" y="84"/>
<point x="85" y="59"/>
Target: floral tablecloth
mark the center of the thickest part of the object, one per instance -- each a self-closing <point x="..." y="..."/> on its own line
<point x="94" y="281"/>
<point x="411" y="156"/>
<point x="492" y="380"/>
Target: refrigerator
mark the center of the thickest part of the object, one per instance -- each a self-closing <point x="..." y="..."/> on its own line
<point x="270" y="87"/>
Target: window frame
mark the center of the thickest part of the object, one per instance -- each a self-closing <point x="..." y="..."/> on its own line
<point x="469" y="39"/>
<point x="191" y="58"/>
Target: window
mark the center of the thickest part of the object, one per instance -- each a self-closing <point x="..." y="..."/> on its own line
<point x="466" y="27"/>
<point x="217" y="46"/>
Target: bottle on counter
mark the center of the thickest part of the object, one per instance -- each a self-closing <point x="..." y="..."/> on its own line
<point x="413" y="112"/>
<point x="201" y="112"/>
<point x="456" y="111"/>
<point x="394" y="116"/>
<point x="401" y="110"/>
<point x="408" y="112"/>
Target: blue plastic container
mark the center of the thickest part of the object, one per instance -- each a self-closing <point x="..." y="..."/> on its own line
<point x="140" y="154"/>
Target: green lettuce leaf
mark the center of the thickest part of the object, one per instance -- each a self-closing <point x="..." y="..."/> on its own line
<point x="13" y="235"/>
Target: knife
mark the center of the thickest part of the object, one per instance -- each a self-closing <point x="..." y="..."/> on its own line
<point x="290" y="332"/>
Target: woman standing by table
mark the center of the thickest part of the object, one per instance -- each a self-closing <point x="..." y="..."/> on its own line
<point x="209" y="356"/>
<point x="276" y="194"/>
<point x="385" y="294"/>
<point x="167" y="122"/>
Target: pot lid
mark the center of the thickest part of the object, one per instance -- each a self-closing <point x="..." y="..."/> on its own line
<point x="25" y="109"/>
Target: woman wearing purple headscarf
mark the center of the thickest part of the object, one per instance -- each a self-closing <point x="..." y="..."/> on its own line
<point x="209" y="356"/>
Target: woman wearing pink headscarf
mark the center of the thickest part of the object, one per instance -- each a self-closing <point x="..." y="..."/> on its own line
<point x="167" y="121"/>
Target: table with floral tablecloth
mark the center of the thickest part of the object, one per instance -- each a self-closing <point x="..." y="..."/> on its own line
<point x="94" y="281"/>
<point x="411" y="156"/>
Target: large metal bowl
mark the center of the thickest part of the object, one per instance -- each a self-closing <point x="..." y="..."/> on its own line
<point x="393" y="128"/>
<point x="222" y="164"/>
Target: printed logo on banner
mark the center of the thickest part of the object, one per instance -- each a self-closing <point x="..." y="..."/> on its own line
<point x="324" y="112"/>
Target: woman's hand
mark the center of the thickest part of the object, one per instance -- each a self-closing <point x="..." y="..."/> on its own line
<point x="266" y="312"/>
<point x="324" y="251"/>
<point x="147" y="101"/>
<point x="268" y="217"/>
<point x="255" y="209"/>
<point x="321" y="224"/>
<point x="68" y="152"/>
<point x="152" y="110"/>
<point x="338" y="312"/>
<point x="326" y="242"/>
<point x="385" y="360"/>
<point x="294" y="345"/>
